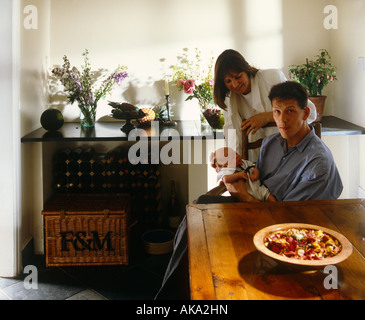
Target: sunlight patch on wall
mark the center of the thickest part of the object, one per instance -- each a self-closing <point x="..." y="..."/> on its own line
<point x="144" y="35"/>
<point x="264" y="39"/>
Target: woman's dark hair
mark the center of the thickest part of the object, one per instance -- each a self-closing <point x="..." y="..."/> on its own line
<point x="228" y="61"/>
<point x="289" y="90"/>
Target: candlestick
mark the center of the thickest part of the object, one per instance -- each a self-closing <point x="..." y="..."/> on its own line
<point x="167" y="91"/>
<point x="168" y="122"/>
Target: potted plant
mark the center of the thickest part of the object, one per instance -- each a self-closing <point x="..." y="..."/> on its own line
<point x="314" y="75"/>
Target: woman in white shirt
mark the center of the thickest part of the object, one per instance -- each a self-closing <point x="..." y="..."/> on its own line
<point x="242" y="92"/>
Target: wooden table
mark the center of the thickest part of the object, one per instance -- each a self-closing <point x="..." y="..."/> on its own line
<point x="224" y="263"/>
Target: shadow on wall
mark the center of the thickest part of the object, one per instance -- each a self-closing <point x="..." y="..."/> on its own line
<point x="131" y="91"/>
<point x="149" y="93"/>
<point x="142" y="90"/>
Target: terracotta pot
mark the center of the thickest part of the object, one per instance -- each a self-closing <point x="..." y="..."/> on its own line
<point x="319" y="102"/>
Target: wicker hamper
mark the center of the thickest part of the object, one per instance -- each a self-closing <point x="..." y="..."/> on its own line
<point x="86" y="229"/>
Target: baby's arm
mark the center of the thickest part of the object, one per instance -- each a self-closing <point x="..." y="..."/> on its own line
<point x="230" y="178"/>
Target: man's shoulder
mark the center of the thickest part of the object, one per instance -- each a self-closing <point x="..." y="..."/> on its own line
<point x="320" y="149"/>
<point x="315" y="143"/>
<point x="271" y="138"/>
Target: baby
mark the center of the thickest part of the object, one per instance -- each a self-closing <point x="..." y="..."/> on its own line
<point x="230" y="168"/>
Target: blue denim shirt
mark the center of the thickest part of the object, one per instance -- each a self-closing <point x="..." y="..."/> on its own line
<point x="306" y="171"/>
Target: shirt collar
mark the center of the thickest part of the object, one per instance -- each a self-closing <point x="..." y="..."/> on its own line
<point x="302" y="144"/>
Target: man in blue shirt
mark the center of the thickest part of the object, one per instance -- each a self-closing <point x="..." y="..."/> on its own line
<point x="294" y="164"/>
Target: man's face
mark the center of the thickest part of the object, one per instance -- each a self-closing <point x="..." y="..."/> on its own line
<point x="290" y="120"/>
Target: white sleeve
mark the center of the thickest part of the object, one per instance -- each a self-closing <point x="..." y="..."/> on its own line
<point x="282" y="76"/>
<point x="313" y="114"/>
<point x="232" y="127"/>
<point x="232" y="140"/>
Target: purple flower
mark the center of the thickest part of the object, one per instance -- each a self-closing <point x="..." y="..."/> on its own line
<point x="120" y="76"/>
<point x="78" y="84"/>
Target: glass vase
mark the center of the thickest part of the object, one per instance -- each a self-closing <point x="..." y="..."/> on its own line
<point x="87" y="114"/>
<point x="213" y="116"/>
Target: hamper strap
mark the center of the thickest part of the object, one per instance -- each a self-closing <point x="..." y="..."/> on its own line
<point x="62" y="214"/>
<point x="106" y="213"/>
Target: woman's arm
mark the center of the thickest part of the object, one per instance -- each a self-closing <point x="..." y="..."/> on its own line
<point x="256" y="122"/>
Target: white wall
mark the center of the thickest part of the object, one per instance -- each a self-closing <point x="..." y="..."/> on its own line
<point x="144" y="35"/>
<point x="34" y="61"/>
<point x="304" y="35"/>
<point x="347" y="46"/>
<point x="147" y="36"/>
<point x="10" y="141"/>
<point x="34" y="97"/>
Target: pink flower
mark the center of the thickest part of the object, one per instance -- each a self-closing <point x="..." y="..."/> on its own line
<point x="211" y="82"/>
<point x="189" y="86"/>
<point x="319" y="80"/>
<point x="181" y="82"/>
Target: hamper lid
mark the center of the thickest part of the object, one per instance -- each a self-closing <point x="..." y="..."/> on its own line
<point x="88" y="204"/>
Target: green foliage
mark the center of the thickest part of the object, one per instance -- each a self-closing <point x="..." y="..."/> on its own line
<point x="314" y="75"/>
<point x="161" y="113"/>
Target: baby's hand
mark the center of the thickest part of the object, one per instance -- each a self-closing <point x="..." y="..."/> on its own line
<point x="243" y="175"/>
<point x="255" y="174"/>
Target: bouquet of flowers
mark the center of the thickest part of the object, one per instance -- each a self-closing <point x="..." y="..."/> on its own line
<point x="80" y="85"/>
<point x="196" y="81"/>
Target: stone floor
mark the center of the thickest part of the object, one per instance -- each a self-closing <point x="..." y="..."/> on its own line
<point x="140" y="280"/>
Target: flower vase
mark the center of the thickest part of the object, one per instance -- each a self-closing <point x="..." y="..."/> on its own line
<point x="213" y="116"/>
<point x="319" y="103"/>
<point x="203" y="121"/>
<point x="203" y="105"/>
<point x="87" y="114"/>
